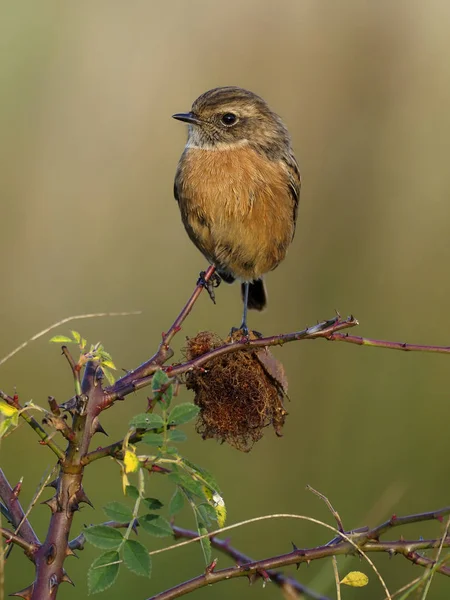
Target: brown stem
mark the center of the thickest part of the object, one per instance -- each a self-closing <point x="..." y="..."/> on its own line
<point x="16" y="512"/>
<point x="362" y="341"/>
<point x="69" y="493"/>
<point x="164" y="352"/>
<point x="11" y="537"/>
<point x="298" y="556"/>
<point x="45" y="438"/>
<point x="275" y="576"/>
<point x="366" y="541"/>
<point x="322" y="329"/>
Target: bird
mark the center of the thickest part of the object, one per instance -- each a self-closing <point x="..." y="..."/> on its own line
<point x="237" y="185"/>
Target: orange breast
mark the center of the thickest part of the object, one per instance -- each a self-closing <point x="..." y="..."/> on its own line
<point x="237" y="208"/>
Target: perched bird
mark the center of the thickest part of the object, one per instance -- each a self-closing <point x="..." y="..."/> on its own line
<point x="238" y="185"/>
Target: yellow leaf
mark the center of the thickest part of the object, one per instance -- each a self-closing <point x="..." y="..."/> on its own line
<point x="125" y="482"/>
<point x="6" y="409"/>
<point x="130" y="461"/>
<point x="355" y="579"/>
<point x="217" y="502"/>
<point x="220" y="508"/>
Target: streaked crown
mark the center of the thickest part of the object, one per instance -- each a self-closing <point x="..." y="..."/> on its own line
<point x="230" y="115"/>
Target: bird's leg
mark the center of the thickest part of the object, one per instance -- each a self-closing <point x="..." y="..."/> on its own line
<point x="243" y="326"/>
<point x="209" y="285"/>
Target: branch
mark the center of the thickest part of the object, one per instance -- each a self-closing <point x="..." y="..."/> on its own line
<point x="324" y="329"/>
<point x="45" y="438"/>
<point x="11" y="501"/>
<point x="362" y="341"/>
<point x="164" y="352"/>
<point x="275" y="576"/>
<point x="11" y="537"/>
<point x="59" y="323"/>
<point x="348" y="543"/>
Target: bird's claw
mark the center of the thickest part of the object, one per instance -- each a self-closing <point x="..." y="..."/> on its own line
<point x="209" y="285"/>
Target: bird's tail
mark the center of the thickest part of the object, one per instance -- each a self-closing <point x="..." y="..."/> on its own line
<point x="257" y="296"/>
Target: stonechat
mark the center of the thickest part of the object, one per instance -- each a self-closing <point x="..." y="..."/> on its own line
<point x="238" y="185"/>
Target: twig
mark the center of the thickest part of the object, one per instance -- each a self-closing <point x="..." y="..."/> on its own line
<point x="275" y="576"/>
<point x="336" y="578"/>
<point x="66" y="320"/>
<point x="164" y="352"/>
<point x="14" y="507"/>
<point x="330" y="507"/>
<point x="430" y="578"/>
<point x="362" y="341"/>
<point x="133" y="382"/>
<point x="11" y="537"/>
<point x="347" y="546"/>
<point x="45" y="438"/>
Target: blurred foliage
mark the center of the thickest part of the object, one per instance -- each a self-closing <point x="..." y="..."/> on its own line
<point x="87" y="156"/>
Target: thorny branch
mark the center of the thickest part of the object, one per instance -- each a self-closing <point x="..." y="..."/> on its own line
<point x="85" y="408"/>
<point x="366" y="540"/>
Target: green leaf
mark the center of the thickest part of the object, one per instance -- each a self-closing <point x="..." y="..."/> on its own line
<point x="153" y="439"/>
<point x="155" y="525"/>
<point x="176" y="435"/>
<point x="109" y="364"/>
<point x="118" y="512"/>
<point x="207" y="513"/>
<point x="205" y="543"/>
<point x="162" y="388"/>
<point x="101" y="573"/>
<point x="83" y="344"/>
<point x="147" y="421"/>
<point x="103" y="537"/>
<point x="136" y="558"/>
<point x="76" y="336"/>
<point x="153" y="503"/>
<point x="61" y="338"/>
<point x="203" y="474"/>
<point x="182" y="413"/>
<point x="110" y="377"/>
<point x="159" y="380"/>
<point x="105" y="354"/>
<point x="132" y="491"/>
<point x="176" y="502"/>
<point x="185" y="481"/>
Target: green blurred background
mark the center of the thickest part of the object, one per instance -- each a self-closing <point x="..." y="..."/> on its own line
<point x="88" y="223"/>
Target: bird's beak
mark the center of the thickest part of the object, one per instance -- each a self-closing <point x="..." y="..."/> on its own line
<point x="187" y="118"/>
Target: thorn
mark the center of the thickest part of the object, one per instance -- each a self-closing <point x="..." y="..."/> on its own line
<point x="393" y="518"/>
<point x="134" y="527"/>
<point x="66" y="579"/>
<point x="79" y="497"/>
<point x="26" y="593"/>
<point x="70" y="552"/>
<point x="294" y="547"/>
<point x="210" y="568"/>
<point x="52" y="503"/>
<point x="97" y="427"/>
<point x="158" y="469"/>
<point x="265" y="575"/>
<point x="17" y="488"/>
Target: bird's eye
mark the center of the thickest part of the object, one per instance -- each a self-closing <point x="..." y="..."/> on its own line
<point x="228" y="119"/>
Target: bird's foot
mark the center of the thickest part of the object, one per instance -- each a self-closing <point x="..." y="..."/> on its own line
<point x="209" y="285"/>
